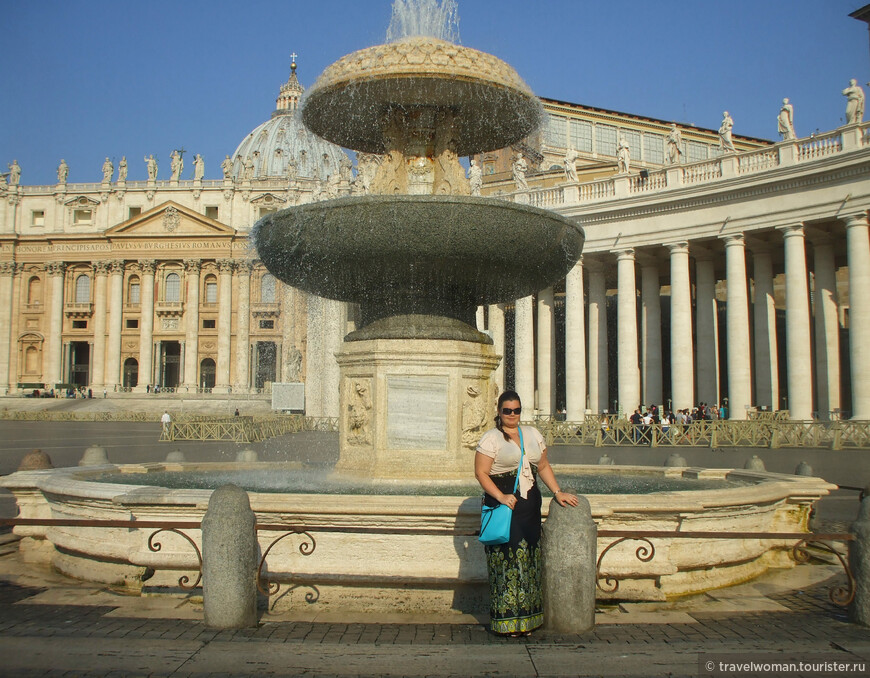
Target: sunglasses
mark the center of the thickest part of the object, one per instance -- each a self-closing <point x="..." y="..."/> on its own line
<point x="508" y="410"/>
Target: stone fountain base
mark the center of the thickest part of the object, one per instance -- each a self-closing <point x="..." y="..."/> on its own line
<point x="414" y="408"/>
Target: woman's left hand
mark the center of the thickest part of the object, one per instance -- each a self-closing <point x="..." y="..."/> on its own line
<point x="564" y="498"/>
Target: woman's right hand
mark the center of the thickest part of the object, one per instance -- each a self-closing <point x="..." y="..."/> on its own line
<point x="508" y="500"/>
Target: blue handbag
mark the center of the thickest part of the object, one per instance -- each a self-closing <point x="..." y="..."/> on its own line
<point x="495" y="521"/>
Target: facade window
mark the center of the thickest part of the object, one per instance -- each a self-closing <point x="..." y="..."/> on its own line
<point x="83" y="217"/>
<point x="80" y="324"/>
<point x="209" y="324"/>
<point x="133" y="292"/>
<point x="267" y="289"/>
<point x="556" y="132"/>
<point x="37" y="217"/>
<point x="211" y="211"/>
<point x="267" y="324"/>
<point x="696" y="151"/>
<point x="34" y="290"/>
<point x="132" y="323"/>
<point x="581" y="136"/>
<point x="134" y="212"/>
<point x="489" y="168"/>
<point x="83" y="289"/>
<point x="654" y="148"/>
<point x="31" y="360"/>
<point x="211" y="291"/>
<point x="632" y="138"/>
<point x="605" y="140"/>
<point x="267" y="210"/>
<point x="173" y="287"/>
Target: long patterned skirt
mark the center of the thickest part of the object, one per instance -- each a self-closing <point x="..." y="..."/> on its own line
<point x="516" y="603"/>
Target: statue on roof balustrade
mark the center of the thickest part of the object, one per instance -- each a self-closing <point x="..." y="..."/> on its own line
<point x="854" y="103"/>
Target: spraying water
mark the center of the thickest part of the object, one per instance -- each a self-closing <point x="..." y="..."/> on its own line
<point x="427" y="18"/>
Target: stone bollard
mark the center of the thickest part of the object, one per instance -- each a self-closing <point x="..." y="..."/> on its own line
<point x="35" y="460"/>
<point x="247" y="456"/>
<point x="94" y="456"/>
<point x="859" y="563"/>
<point x="605" y="460"/>
<point x="570" y="547"/>
<point x="675" y="459"/>
<point x="754" y="464"/>
<point x="803" y="469"/>
<point x="229" y="560"/>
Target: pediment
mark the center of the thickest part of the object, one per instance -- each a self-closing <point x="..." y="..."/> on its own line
<point x="268" y="200"/>
<point x="170" y="219"/>
<point x="82" y="201"/>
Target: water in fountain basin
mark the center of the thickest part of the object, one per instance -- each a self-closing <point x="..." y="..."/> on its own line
<point x="428" y="18"/>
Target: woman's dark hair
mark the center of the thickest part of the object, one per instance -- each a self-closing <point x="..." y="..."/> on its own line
<point x="502" y="399"/>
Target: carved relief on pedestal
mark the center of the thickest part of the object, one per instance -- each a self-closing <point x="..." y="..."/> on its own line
<point x="475" y="413"/>
<point x="359" y="411"/>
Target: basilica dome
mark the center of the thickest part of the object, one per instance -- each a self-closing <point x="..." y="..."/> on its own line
<point x="282" y="146"/>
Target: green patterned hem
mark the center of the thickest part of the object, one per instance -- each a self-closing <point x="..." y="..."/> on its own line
<point x="517" y="624"/>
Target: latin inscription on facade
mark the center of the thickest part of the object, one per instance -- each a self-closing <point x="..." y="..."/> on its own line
<point x="416" y="413"/>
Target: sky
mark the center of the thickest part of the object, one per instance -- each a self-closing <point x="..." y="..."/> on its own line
<point x="89" y="79"/>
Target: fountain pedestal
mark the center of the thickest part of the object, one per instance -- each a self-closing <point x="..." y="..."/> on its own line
<point x="414" y="408"/>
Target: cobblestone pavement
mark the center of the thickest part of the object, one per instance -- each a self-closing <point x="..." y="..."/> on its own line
<point x="53" y="626"/>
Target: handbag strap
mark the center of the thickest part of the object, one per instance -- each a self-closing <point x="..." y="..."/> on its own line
<point x="522" y="456"/>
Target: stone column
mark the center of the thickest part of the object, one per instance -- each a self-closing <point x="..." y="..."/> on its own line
<point x="797" y="325"/>
<point x="827" y="328"/>
<point x="575" y="345"/>
<point x="524" y="354"/>
<point x="766" y="352"/>
<point x="243" y="327"/>
<point x="54" y="350"/>
<point x="598" y="376"/>
<point x="334" y="326"/>
<point x="651" y="331"/>
<point x="546" y="353"/>
<point x="191" y="317"/>
<point x="628" y="376"/>
<point x="737" y="315"/>
<point x="496" y="326"/>
<point x="7" y="271"/>
<point x="858" y="253"/>
<point x="225" y="312"/>
<point x="146" y="324"/>
<point x="112" y="377"/>
<point x="480" y="319"/>
<point x="707" y="349"/>
<point x="98" y="356"/>
<point x="682" y="368"/>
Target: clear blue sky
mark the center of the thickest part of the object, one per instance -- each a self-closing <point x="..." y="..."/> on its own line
<point x="89" y="79"/>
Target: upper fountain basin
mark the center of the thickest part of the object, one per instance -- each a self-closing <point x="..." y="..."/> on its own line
<point x="492" y="106"/>
<point x="396" y="249"/>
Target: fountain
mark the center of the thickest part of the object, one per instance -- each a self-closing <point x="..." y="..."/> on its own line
<point x="418" y="255"/>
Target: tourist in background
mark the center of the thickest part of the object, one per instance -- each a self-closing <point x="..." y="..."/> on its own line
<point x="516" y="601"/>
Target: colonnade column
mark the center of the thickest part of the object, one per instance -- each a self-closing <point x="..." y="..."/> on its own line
<point x="797" y="325"/>
<point x="225" y="313"/>
<point x="827" y="328"/>
<point x="575" y="345"/>
<point x="858" y="254"/>
<point x="243" y="326"/>
<point x="628" y="376"/>
<point x="53" y="363"/>
<point x="7" y="271"/>
<point x="598" y="376"/>
<point x="682" y="367"/>
<point x="496" y="327"/>
<point x="191" y="316"/>
<point x="524" y="353"/>
<point x="707" y="319"/>
<point x="98" y="357"/>
<point x="651" y="331"/>
<point x="146" y="323"/>
<point x="116" y="301"/>
<point x="737" y="315"/>
<point x="764" y="311"/>
<point x="546" y="353"/>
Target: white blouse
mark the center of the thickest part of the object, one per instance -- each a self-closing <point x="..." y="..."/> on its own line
<point x="506" y="453"/>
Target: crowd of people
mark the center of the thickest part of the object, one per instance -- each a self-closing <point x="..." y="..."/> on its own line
<point x="643" y="418"/>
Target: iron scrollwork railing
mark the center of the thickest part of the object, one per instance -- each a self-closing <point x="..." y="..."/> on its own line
<point x="839" y="595"/>
<point x="155" y="546"/>
<point x="644" y="553"/>
<point x="306" y="548"/>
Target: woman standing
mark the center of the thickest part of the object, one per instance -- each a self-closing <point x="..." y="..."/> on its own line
<point x="516" y="601"/>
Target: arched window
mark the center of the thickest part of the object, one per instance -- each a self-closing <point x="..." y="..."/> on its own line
<point x="83" y="289"/>
<point x="173" y="287"/>
<point x="133" y="291"/>
<point x="31" y="360"/>
<point x="267" y="289"/>
<point x="34" y="290"/>
<point x="211" y="289"/>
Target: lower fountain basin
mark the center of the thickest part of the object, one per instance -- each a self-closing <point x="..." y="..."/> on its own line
<point x="418" y="255"/>
<point x="396" y="568"/>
